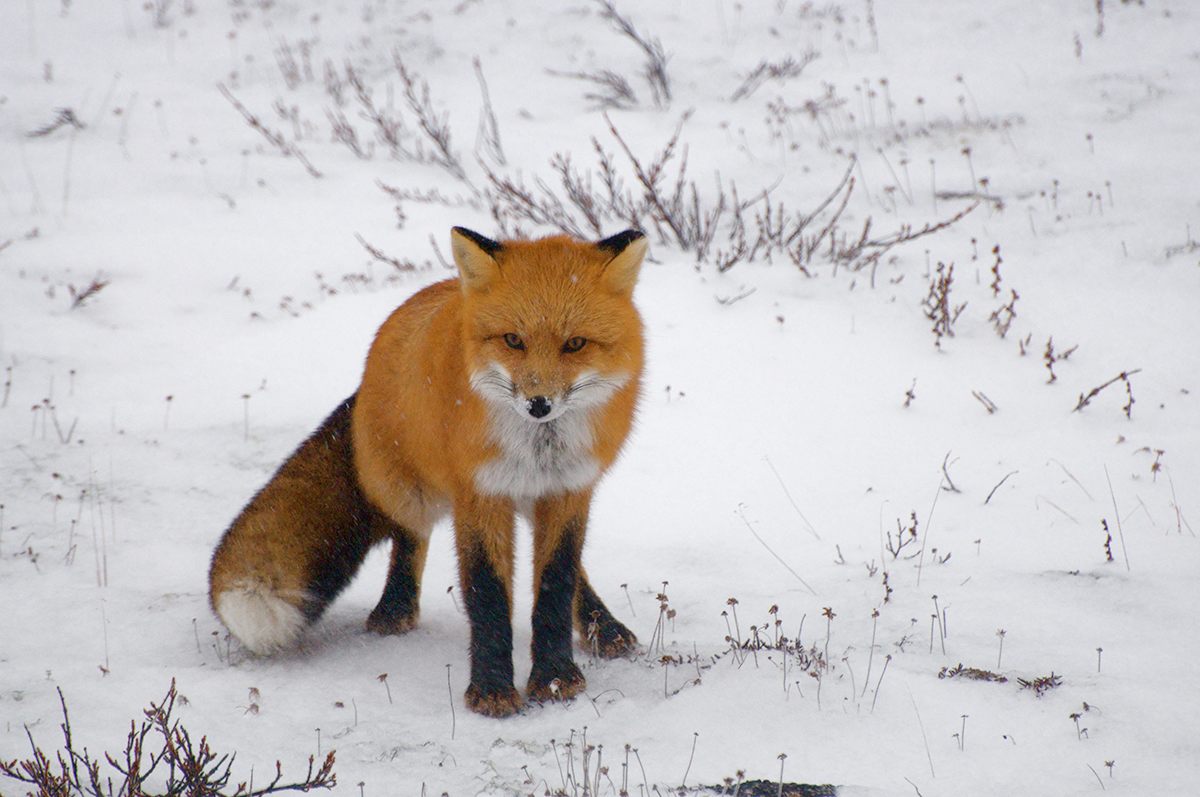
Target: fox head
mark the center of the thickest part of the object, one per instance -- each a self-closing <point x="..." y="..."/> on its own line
<point x="549" y="325"/>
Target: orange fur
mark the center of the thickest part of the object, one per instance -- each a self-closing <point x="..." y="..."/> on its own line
<point x="510" y="389"/>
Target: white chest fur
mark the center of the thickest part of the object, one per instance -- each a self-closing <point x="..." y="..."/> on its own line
<point x="538" y="458"/>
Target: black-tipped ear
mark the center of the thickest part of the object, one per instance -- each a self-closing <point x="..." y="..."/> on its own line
<point x="486" y="244"/>
<point x="475" y="257"/>
<point x="627" y="250"/>
<point x="616" y="244"/>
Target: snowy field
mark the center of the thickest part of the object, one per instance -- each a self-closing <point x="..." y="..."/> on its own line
<point x="207" y="208"/>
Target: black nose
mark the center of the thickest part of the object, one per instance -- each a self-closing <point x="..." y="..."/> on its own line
<point x="539" y="406"/>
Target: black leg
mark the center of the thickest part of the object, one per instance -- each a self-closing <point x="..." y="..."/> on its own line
<point x="491" y="691"/>
<point x="554" y="674"/>
<point x="399" y="606"/>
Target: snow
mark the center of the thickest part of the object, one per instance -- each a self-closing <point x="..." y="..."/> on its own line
<point x="774" y="450"/>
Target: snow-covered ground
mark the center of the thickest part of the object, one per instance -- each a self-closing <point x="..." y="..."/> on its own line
<point x="792" y="424"/>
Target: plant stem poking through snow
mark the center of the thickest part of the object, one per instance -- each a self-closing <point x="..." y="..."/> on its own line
<point x="1051" y="357"/>
<point x="784" y="70"/>
<point x="695" y="738"/>
<point x="81" y="295"/>
<point x="1121" y="377"/>
<point x="656" y="59"/>
<point x="742" y="515"/>
<point x="875" y="695"/>
<point x="949" y="485"/>
<point x="450" y="688"/>
<point x="189" y="768"/>
<point x="276" y="139"/>
<point x="938" y="308"/>
<point x="383" y="680"/>
<point x="871" y="654"/>
<point x="920" y="725"/>
<point x="1117" y="515"/>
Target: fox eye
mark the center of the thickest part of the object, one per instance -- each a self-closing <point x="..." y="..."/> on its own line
<point x="574" y="344"/>
<point x="513" y="341"/>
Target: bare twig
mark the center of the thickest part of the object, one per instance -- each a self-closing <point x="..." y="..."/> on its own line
<point x="1121" y="377"/>
<point x="399" y="265"/>
<point x="615" y="89"/>
<point x="1117" y="515"/>
<point x="489" y="128"/>
<point x="62" y="118"/>
<point x="81" y="295"/>
<point x="182" y="765"/>
<point x="655" y="70"/>
<point x="276" y="139"/>
<point x="436" y="128"/>
<point x="949" y="485"/>
<point x="997" y="487"/>
<point x="987" y="403"/>
<point x="777" y="557"/>
<point x="785" y="69"/>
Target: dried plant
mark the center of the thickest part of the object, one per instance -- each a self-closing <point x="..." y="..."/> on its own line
<point x="1041" y="685"/>
<point x="488" y="138"/>
<point x="435" y="127"/>
<point x="62" y="118"/>
<point x="1002" y="317"/>
<point x="180" y="767"/>
<point x="655" y="69"/>
<point x="937" y="304"/>
<point x="784" y="70"/>
<point x="1084" y="400"/>
<point x="614" y="90"/>
<point x="905" y="535"/>
<point x="972" y="674"/>
<point x="81" y="295"/>
<point x="274" y="137"/>
<point x="1050" y="356"/>
<point x="627" y="187"/>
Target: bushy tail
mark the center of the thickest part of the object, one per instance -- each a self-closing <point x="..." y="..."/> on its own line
<point x="296" y="544"/>
<point x="258" y="616"/>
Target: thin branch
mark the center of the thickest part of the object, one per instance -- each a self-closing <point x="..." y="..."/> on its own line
<point x="277" y="140"/>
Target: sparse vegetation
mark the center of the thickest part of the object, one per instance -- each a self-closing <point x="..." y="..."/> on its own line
<point x="1084" y="400"/>
<point x="856" y="185"/>
<point x="971" y="674"/>
<point x="160" y="758"/>
<point x="938" y="307"/>
<point x="1042" y="684"/>
<point x="1052" y="357"/>
<point x="81" y="295"/>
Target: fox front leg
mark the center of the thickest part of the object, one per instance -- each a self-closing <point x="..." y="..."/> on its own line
<point x="559" y="526"/>
<point x="483" y="530"/>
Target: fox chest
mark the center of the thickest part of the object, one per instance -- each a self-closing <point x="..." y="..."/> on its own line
<point x="536" y="459"/>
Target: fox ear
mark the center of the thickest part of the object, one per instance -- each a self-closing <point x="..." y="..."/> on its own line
<point x="627" y="250"/>
<point x="475" y="257"/>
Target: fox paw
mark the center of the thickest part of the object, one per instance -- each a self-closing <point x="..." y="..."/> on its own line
<point x="563" y="683"/>
<point x="611" y="641"/>
<point x="386" y="623"/>
<point x="493" y="703"/>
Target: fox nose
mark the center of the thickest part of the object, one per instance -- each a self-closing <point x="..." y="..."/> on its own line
<point x="538" y="406"/>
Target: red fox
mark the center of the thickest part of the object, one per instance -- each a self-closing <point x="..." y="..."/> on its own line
<point x="510" y="389"/>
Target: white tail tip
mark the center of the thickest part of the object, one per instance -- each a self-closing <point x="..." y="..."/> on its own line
<point x="260" y="619"/>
